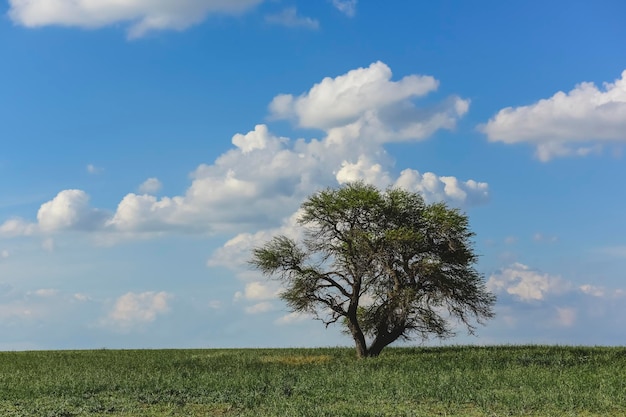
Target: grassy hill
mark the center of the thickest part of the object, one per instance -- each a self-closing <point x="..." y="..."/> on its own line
<point x="449" y="381"/>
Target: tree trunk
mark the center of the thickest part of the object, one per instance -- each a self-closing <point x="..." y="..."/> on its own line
<point x="383" y="340"/>
<point x="361" y="348"/>
<point x="358" y="336"/>
<point x="377" y="346"/>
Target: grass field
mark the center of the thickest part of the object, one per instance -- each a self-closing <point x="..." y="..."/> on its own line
<point x="449" y="381"/>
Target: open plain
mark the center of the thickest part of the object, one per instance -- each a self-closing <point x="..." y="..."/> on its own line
<point x="439" y="381"/>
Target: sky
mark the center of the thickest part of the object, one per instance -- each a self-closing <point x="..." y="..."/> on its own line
<point x="147" y="146"/>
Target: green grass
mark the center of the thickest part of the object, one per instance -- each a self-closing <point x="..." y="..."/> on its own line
<point x="449" y="381"/>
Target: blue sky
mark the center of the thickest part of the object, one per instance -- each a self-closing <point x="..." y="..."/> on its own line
<point x="146" y="148"/>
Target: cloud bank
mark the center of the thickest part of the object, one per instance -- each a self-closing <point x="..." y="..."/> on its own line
<point x="263" y="179"/>
<point x="567" y="124"/>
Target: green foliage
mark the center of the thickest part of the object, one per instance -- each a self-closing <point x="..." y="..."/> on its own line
<point x="386" y="265"/>
<point x="452" y="381"/>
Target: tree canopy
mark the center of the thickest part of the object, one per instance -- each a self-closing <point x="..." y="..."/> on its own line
<point x="384" y="264"/>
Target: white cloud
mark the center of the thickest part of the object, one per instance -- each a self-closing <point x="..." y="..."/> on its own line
<point x="450" y="189"/>
<point x="593" y="290"/>
<point x="142" y="15"/>
<point x="258" y="139"/>
<point x="292" y="318"/>
<point x="526" y="284"/>
<point x="347" y="7"/>
<point x="567" y="124"/>
<point x="150" y="186"/>
<point x="69" y="210"/>
<point x="347" y="98"/>
<point x="538" y="307"/>
<point x="133" y="309"/>
<point x="17" y="227"/>
<point x="263" y="179"/>
<point x="432" y="187"/>
<point x="364" y="169"/>
<point x="46" y="292"/>
<point x="219" y="198"/>
<point x="260" y="291"/>
<point x="4" y="254"/>
<point x="258" y="308"/>
<point x="602" y="292"/>
<point x="235" y="253"/>
<point x="145" y="213"/>
<point x="81" y="297"/>
<point x="290" y="18"/>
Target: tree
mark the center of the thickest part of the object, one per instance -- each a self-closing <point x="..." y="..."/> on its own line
<point x="386" y="265"/>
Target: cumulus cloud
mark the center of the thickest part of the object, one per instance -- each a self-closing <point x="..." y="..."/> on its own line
<point x="567" y="124"/>
<point x="290" y="18"/>
<point x="263" y="178"/>
<point x="260" y="294"/>
<point x="259" y="291"/>
<point x="347" y="7"/>
<point x="142" y="15"/>
<point x="134" y="309"/>
<point x="69" y="210"/>
<point x="235" y="253"/>
<point x="218" y="199"/>
<point x="366" y="99"/>
<point x="292" y="318"/>
<point x="145" y="213"/>
<point x="432" y="187"/>
<point x="17" y="227"/>
<point x="258" y="308"/>
<point x="556" y="310"/>
<point x="525" y="283"/>
<point x="363" y="169"/>
<point x="528" y="285"/>
<point x="4" y="254"/>
<point x="150" y="186"/>
<point x="449" y="189"/>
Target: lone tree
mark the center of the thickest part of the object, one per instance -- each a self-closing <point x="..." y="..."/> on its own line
<point x="385" y="265"/>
